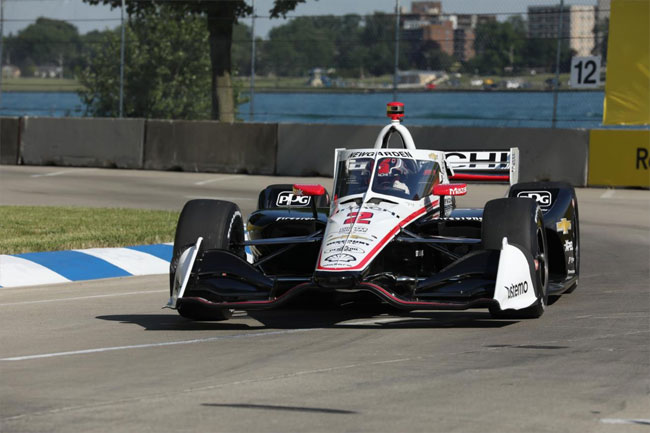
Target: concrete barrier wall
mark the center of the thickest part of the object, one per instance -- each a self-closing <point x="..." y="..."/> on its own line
<point x="9" y="140"/>
<point x="211" y="147"/>
<point x="545" y="154"/>
<point x="308" y="150"/>
<point x="284" y="149"/>
<point x="82" y="142"/>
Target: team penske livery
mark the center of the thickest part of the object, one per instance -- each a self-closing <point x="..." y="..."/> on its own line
<point x="389" y="231"/>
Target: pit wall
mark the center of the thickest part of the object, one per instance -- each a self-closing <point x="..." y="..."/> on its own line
<point x="581" y="157"/>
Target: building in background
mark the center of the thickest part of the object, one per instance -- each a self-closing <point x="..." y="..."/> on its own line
<point x="454" y="33"/>
<point x="602" y="11"/>
<point x="464" y="44"/>
<point x="442" y="33"/>
<point x="426" y="8"/>
<point x="578" y="23"/>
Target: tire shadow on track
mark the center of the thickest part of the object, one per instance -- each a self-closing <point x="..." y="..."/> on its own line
<point x="315" y="318"/>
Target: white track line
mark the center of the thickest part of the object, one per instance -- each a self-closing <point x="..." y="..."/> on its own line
<point x="149" y="345"/>
<point x="608" y="194"/>
<point x="641" y="421"/>
<point x="217" y="179"/>
<point x="55" y="173"/>
<point x="78" y="298"/>
<point x="198" y="340"/>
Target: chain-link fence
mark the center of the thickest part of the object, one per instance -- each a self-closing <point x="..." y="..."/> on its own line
<point x="509" y="66"/>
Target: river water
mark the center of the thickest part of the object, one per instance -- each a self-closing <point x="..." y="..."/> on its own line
<point x="510" y="109"/>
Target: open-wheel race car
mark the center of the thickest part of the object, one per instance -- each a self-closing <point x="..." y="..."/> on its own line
<point x="391" y="229"/>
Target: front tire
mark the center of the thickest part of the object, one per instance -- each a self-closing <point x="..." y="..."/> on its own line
<point x="221" y="226"/>
<point x="521" y="221"/>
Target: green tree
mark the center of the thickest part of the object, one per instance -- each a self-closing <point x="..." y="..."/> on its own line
<point x="542" y="53"/>
<point x="378" y="38"/>
<point x="499" y="46"/>
<point x="302" y="44"/>
<point x="221" y="16"/>
<point x="46" y="42"/>
<point x="167" y="71"/>
<point x="427" y="55"/>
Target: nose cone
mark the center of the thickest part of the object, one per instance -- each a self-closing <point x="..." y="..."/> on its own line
<point x="356" y="234"/>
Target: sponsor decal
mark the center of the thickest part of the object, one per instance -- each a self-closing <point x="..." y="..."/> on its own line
<point x="433" y="156"/>
<point x="362" y="155"/>
<point x="571" y="271"/>
<point x="568" y="246"/>
<point x="358" y="217"/>
<point x="389" y="153"/>
<point x="564" y="225"/>
<point x="351" y="242"/>
<point x="358" y="164"/>
<point x="345" y="249"/>
<point x="294" y="219"/>
<point x="478" y="160"/>
<point x="347" y="258"/>
<point x="460" y="219"/>
<point x="288" y="198"/>
<point x="396" y="153"/>
<point x="572" y="260"/>
<point x="354" y="229"/>
<point x="517" y="289"/>
<point x="458" y="191"/>
<point x="543" y="198"/>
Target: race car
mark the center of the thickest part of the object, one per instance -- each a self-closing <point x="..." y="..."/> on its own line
<point x="390" y="231"/>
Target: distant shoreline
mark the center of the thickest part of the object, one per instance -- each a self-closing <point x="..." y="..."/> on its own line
<point x="353" y="91"/>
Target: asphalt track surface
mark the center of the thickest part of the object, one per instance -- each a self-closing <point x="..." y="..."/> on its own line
<point x="102" y="356"/>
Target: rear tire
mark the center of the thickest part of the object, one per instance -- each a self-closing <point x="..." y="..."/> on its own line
<point x="221" y="226"/>
<point x="520" y="220"/>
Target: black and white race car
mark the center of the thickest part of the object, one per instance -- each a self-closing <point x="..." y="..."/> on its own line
<point x="391" y="229"/>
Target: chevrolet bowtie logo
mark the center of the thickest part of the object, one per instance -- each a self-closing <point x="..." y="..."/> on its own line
<point x="563" y="226"/>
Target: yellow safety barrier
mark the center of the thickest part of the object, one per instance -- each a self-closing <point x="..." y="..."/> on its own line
<point x="627" y="89"/>
<point x="619" y="157"/>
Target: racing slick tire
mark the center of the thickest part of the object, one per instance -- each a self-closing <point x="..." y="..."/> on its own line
<point x="221" y="225"/>
<point x="575" y="222"/>
<point x="520" y="220"/>
<point x="566" y="201"/>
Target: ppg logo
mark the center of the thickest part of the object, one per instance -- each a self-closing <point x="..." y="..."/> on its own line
<point x="287" y="198"/>
<point x="543" y="198"/>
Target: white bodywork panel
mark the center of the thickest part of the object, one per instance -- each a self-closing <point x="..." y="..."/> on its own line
<point x="183" y="271"/>
<point x="357" y="232"/>
<point x="406" y="135"/>
<point x="514" y="288"/>
<point x="506" y="161"/>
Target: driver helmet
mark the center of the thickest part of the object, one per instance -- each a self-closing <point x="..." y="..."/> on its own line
<point x="393" y="168"/>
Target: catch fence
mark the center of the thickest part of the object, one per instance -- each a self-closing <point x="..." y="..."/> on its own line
<point x="502" y="67"/>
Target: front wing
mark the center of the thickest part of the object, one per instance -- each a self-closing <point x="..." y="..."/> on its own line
<point x="222" y="280"/>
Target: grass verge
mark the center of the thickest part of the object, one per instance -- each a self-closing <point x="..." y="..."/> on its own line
<point x="26" y="229"/>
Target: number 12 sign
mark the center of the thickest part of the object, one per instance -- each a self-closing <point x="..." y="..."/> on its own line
<point x="585" y="72"/>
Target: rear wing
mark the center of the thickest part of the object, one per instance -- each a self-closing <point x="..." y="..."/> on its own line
<point x="484" y="165"/>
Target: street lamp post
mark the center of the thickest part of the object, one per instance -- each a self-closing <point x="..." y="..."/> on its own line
<point x="557" y="65"/>
<point x="122" y="65"/>
<point x="396" y="70"/>
<point x="251" y="106"/>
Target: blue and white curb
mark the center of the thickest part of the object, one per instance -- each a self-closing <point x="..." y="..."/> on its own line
<point x="32" y="269"/>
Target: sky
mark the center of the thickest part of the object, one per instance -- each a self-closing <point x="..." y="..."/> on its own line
<point x="20" y="13"/>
